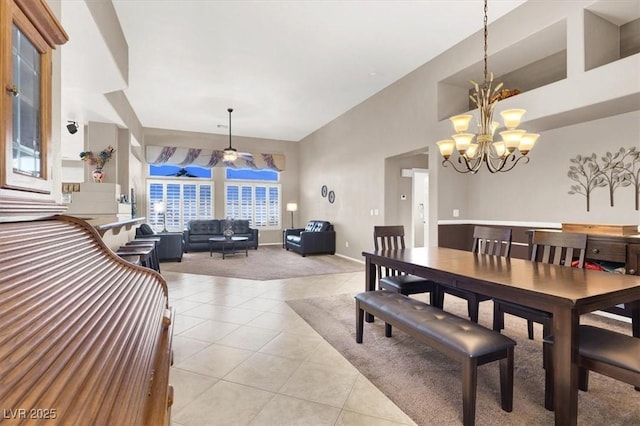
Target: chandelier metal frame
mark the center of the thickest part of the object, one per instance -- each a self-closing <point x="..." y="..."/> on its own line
<point x="500" y="156"/>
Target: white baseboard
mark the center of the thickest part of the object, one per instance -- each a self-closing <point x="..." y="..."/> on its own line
<point x="613" y="316"/>
<point x="350" y="258"/>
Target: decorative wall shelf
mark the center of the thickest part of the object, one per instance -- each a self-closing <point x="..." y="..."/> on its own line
<point x="545" y="62"/>
<point x="612" y="32"/>
<point x="549" y="66"/>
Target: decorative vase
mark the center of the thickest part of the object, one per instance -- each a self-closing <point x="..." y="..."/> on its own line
<point x="98" y="175"/>
<point x="228" y="229"/>
<point x="228" y="233"/>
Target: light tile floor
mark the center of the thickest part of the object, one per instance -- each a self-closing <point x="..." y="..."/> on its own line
<point x="242" y="356"/>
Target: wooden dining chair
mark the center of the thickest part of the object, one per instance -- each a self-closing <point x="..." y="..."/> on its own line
<point x="600" y="350"/>
<point x="486" y="240"/>
<point x="392" y="238"/>
<point x="558" y="248"/>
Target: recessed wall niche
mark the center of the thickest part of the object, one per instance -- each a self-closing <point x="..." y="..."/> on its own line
<point x="528" y="64"/>
<point x="611" y="32"/>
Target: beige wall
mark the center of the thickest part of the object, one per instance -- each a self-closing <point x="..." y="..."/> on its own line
<point x="288" y="178"/>
<point x="588" y="111"/>
<point x="539" y="190"/>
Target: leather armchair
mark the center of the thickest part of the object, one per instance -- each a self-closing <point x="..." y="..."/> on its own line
<point x="171" y="246"/>
<point x="317" y="237"/>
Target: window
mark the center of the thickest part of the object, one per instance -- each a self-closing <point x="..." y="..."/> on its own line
<point x="252" y="175"/>
<point x="255" y="199"/>
<point x="169" y="170"/>
<point x="185" y="201"/>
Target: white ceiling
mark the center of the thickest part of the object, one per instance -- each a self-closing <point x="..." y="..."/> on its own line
<point x="286" y="67"/>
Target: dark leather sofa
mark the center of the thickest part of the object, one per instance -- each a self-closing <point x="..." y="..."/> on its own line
<point x="198" y="232"/>
<point x="171" y="245"/>
<point x="317" y="237"/>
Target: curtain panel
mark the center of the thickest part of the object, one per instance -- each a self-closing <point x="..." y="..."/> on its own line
<point x="183" y="157"/>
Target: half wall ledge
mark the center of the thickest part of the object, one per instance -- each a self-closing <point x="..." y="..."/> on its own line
<point x="115" y="227"/>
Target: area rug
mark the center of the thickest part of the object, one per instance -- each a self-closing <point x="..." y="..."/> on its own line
<point x="266" y="263"/>
<point x="427" y="385"/>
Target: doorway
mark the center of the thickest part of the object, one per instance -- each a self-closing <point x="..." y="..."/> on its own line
<point x="420" y="208"/>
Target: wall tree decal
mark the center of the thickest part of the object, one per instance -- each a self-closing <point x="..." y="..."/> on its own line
<point x="633" y="172"/>
<point x="619" y="169"/>
<point x="614" y="172"/>
<point x="587" y="168"/>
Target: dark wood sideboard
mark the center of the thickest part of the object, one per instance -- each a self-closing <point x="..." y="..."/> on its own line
<point x="618" y="250"/>
<point x="623" y="251"/>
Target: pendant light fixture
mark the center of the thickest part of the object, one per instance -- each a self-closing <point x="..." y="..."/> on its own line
<point x="499" y="156"/>
<point x="230" y="154"/>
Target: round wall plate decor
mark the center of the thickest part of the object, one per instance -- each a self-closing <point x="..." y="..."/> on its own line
<point x="332" y="196"/>
<point x="324" y="191"/>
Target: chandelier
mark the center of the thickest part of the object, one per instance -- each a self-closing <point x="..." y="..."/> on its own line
<point x="230" y="154"/>
<point x="500" y="156"/>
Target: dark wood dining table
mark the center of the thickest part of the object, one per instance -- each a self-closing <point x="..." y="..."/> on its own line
<point x="563" y="291"/>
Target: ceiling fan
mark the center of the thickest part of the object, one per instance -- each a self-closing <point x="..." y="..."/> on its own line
<point x="182" y="173"/>
<point x="230" y="154"/>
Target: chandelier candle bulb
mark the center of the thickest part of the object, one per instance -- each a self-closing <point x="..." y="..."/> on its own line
<point x="527" y="142"/>
<point x="471" y="151"/>
<point x="512" y="139"/>
<point x="501" y="148"/>
<point x="446" y="147"/>
<point x="461" y="122"/>
<point x="463" y="140"/>
<point x="512" y="117"/>
<point x="494" y="127"/>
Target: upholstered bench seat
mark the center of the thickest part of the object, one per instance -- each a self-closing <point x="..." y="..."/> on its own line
<point x="407" y="284"/>
<point x="467" y="342"/>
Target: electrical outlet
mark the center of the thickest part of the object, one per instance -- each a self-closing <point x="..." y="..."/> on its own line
<point x="456" y="212"/>
<point x="346" y="244"/>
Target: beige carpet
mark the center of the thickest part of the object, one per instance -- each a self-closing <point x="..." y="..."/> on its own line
<point x="427" y="385"/>
<point x="266" y="263"/>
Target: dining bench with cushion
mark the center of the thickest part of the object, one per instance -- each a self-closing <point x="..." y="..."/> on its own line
<point x="458" y="338"/>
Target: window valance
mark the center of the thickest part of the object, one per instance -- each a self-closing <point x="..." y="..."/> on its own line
<point x="211" y="158"/>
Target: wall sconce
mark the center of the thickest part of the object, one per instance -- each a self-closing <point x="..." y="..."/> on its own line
<point x="292" y="207"/>
<point x="161" y="207"/>
<point x="72" y="127"/>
